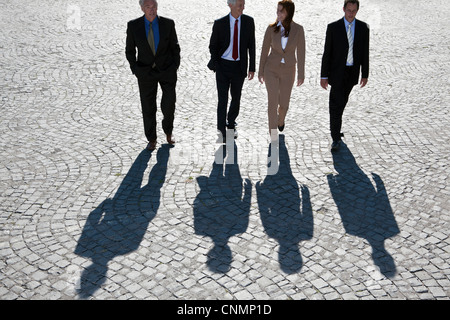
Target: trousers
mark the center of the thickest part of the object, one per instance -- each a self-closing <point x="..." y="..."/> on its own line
<point x="279" y="82"/>
<point x="229" y="79"/>
<point x="148" y="90"/>
<point x="339" y="95"/>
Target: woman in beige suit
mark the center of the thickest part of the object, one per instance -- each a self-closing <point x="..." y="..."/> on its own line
<point x="285" y="40"/>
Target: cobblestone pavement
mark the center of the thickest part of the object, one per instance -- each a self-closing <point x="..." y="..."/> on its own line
<point x="86" y="213"/>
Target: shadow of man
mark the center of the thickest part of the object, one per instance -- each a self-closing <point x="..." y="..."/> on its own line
<point x="285" y="209"/>
<point x="222" y="207"/>
<point x="365" y="210"/>
<point x="117" y="226"/>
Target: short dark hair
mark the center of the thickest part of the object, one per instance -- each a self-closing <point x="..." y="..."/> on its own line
<point x="352" y="1"/>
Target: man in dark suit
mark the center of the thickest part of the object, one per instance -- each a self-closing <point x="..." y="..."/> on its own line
<point x="158" y="59"/>
<point x="346" y="54"/>
<point x="232" y="45"/>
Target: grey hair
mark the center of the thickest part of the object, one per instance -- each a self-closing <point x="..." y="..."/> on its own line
<point x="232" y="2"/>
<point x="141" y="2"/>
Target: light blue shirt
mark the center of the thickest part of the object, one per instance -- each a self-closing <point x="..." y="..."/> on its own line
<point x="155" y="27"/>
<point x="353" y="32"/>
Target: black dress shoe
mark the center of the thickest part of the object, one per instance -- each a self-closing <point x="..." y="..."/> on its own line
<point x="151" y="145"/>
<point x="281" y="128"/>
<point x="170" y="139"/>
<point x="232" y="126"/>
<point x="335" y="145"/>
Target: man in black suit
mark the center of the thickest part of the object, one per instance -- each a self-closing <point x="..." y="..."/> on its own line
<point x="158" y="59"/>
<point x="232" y="45"/>
<point x="346" y="54"/>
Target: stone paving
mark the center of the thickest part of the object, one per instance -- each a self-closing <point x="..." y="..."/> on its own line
<point x="86" y="213"/>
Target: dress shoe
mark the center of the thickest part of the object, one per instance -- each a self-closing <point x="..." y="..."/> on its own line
<point x="170" y="139"/>
<point x="151" y="145"/>
<point x="232" y="126"/>
<point x="335" y="145"/>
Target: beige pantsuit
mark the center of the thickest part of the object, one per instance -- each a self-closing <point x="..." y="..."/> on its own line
<point x="279" y="77"/>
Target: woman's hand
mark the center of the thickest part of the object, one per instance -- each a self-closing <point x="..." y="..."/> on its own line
<point x="261" y="79"/>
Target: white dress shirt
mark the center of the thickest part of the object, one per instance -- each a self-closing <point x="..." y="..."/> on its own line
<point x="284" y="40"/>
<point x="228" y="54"/>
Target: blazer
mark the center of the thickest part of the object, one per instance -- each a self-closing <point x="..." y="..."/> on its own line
<point x="167" y="55"/>
<point x="220" y="41"/>
<point x="292" y="54"/>
<point x="334" y="58"/>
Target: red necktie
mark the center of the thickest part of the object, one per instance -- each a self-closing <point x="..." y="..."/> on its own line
<point x="235" y="41"/>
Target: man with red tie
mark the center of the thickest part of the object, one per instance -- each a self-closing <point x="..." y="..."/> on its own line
<point x="232" y="46"/>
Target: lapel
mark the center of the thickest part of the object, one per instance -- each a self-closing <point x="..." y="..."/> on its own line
<point x="356" y="38"/>
<point x="343" y="34"/>
<point x="292" y="35"/>
<point x="162" y="29"/>
<point x="277" y="40"/>
<point x="141" y="30"/>
<point x="142" y="34"/>
<point x="241" y="31"/>
<point x="227" y="23"/>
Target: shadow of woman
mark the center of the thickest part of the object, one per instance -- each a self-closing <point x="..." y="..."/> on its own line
<point x="117" y="226"/>
<point x="221" y="209"/>
<point x="285" y="209"/>
<point x="365" y="209"/>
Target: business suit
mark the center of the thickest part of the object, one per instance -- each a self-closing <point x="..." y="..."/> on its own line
<point x="341" y="77"/>
<point x="230" y="75"/>
<point x="278" y="70"/>
<point x="151" y="69"/>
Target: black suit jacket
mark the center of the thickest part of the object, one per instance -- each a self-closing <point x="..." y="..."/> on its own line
<point x="167" y="56"/>
<point x="334" y="59"/>
<point x="220" y="41"/>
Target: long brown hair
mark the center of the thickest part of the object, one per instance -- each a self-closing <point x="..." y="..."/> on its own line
<point x="289" y="6"/>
